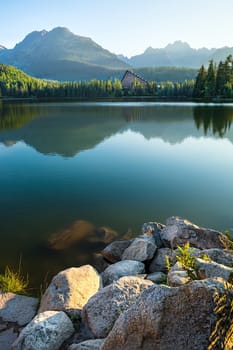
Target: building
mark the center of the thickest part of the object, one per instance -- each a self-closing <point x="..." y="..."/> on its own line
<point x="130" y="78"/>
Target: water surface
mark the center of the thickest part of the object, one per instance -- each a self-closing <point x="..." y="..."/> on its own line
<point x="74" y="176"/>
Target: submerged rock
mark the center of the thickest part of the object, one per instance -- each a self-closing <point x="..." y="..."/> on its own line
<point x="77" y="231"/>
<point x="71" y="289"/>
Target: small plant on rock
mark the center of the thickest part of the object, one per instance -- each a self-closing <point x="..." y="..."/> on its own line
<point x="187" y="260"/>
<point x="229" y="234"/>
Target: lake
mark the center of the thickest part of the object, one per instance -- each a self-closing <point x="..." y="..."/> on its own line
<point x="74" y="176"/>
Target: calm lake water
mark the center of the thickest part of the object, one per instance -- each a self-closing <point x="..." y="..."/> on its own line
<point x="74" y="176"/>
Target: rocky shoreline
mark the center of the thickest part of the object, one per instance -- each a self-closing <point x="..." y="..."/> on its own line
<point x="169" y="288"/>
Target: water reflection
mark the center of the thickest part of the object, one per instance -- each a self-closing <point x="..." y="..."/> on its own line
<point x="216" y="120"/>
<point x="67" y="129"/>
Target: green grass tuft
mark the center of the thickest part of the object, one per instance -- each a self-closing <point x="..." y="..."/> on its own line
<point x="13" y="282"/>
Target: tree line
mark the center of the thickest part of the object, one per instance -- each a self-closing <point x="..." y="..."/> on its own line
<point x="15" y="83"/>
<point x="211" y="82"/>
<point x="215" y="81"/>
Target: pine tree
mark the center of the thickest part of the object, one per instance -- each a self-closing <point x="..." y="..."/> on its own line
<point x="199" y="86"/>
<point x="210" y="84"/>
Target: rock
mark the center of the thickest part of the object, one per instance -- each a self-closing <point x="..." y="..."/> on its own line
<point x="121" y="269"/>
<point x="92" y="344"/>
<point x="169" y="318"/>
<point x="177" y="276"/>
<point x="7" y="338"/>
<point x="76" y="232"/>
<point x="220" y="256"/>
<point x="157" y="277"/>
<point x="46" y="331"/>
<point x="99" y="262"/>
<point x="102" y="310"/>
<point x="103" y="234"/>
<point x="159" y="264"/>
<point x="71" y="289"/>
<point x="154" y="229"/>
<point x="179" y="231"/>
<point x="141" y="249"/>
<point x="113" y="252"/>
<point x="17" y="308"/>
<point x="210" y="269"/>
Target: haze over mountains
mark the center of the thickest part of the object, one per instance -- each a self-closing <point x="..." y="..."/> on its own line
<point x="60" y="54"/>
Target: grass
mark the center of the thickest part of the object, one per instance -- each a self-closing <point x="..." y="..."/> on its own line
<point x="222" y="333"/>
<point x="11" y="281"/>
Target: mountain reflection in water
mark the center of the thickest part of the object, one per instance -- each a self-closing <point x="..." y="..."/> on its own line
<point x="68" y="129"/>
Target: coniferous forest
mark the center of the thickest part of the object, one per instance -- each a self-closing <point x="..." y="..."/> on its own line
<point x="215" y="81"/>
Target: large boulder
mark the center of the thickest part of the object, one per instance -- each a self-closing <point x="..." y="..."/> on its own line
<point x="121" y="269"/>
<point x="179" y="231"/>
<point x="141" y="249"/>
<point x="210" y="269"/>
<point x="91" y="344"/>
<point x="70" y="290"/>
<point x="103" y="309"/>
<point x="46" y="331"/>
<point x="113" y="252"/>
<point x="153" y="229"/>
<point x="170" y="318"/>
<point x="220" y="256"/>
<point x="159" y="262"/>
<point x="16" y="308"/>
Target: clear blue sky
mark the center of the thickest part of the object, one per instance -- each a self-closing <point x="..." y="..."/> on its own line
<point x="123" y="26"/>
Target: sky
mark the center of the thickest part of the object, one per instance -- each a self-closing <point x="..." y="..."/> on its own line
<point x="122" y="26"/>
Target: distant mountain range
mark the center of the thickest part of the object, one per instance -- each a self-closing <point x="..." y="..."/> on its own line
<point x="61" y="55"/>
<point x="178" y="54"/>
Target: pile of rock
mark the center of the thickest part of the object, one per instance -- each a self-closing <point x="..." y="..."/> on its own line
<point x="135" y="303"/>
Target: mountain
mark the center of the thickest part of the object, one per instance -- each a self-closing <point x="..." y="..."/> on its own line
<point x="2" y="48"/>
<point x="58" y="51"/>
<point x="178" y="54"/>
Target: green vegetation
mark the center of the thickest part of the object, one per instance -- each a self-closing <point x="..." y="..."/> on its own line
<point x="15" y="83"/>
<point x="222" y="334"/>
<point x="216" y="81"/>
<point x="187" y="260"/>
<point x="13" y="282"/>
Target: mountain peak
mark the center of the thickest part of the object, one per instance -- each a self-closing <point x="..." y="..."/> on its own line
<point x="178" y="45"/>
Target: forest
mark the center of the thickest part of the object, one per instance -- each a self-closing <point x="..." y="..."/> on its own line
<point x="215" y="81"/>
